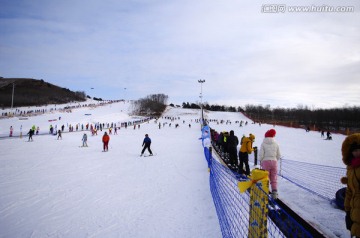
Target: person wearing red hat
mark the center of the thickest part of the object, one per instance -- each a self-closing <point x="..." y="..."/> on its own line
<point x="269" y="155"/>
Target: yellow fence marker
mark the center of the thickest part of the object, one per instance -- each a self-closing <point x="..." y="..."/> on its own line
<point x="258" y="202"/>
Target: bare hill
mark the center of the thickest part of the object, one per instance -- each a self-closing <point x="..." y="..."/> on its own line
<point x="34" y="92"/>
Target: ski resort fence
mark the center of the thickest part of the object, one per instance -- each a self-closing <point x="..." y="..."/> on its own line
<point x="321" y="180"/>
<point x="237" y="211"/>
<point x="249" y="214"/>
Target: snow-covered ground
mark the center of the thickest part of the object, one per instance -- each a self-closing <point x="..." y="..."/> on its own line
<point x="54" y="188"/>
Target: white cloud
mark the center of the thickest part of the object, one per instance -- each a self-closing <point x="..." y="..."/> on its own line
<point x="245" y="56"/>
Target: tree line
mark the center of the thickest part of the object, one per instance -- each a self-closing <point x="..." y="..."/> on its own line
<point x="345" y="119"/>
<point x="209" y="107"/>
<point x="151" y="105"/>
<point x="334" y="119"/>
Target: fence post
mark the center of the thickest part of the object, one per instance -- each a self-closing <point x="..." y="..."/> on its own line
<point x="255" y="155"/>
<point x="259" y="189"/>
<point x="210" y="158"/>
<point x="258" y="204"/>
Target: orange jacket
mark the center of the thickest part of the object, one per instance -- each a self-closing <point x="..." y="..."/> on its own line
<point x="106" y="138"/>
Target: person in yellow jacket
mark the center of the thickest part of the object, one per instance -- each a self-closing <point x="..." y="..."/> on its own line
<point x="245" y="149"/>
<point x="351" y="157"/>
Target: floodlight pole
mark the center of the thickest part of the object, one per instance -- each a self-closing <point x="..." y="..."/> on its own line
<point x="12" y="97"/>
<point x="201" y="81"/>
<point x="124" y="95"/>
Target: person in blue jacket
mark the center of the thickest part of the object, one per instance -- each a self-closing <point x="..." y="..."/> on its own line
<point x="147" y="143"/>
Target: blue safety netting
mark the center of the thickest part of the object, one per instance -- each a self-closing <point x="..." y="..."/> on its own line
<point x="233" y="208"/>
<point x="321" y="180"/>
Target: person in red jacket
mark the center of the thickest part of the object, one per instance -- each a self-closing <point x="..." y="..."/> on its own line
<point x="105" y="140"/>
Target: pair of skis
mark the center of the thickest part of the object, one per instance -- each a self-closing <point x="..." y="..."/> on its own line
<point x="148" y="155"/>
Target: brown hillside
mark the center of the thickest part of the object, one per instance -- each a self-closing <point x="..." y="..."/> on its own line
<point x="33" y="92"/>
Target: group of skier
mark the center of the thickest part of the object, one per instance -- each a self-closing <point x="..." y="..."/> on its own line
<point x="105" y="138"/>
<point x="269" y="153"/>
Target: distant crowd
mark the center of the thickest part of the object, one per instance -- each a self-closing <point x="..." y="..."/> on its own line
<point x="62" y="108"/>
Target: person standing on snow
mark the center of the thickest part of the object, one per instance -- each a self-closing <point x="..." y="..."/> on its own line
<point x="11" y="131"/>
<point x="232" y="143"/>
<point x="84" y="140"/>
<point x="225" y="141"/>
<point x="31" y="133"/>
<point x="245" y="150"/>
<point x="147" y="143"/>
<point x="105" y="140"/>
<point x="351" y="157"/>
<point x="59" y="135"/>
<point x="269" y="155"/>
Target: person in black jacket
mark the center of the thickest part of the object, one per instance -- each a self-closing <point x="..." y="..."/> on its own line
<point x="31" y="133"/>
<point x="232" y="143"/>
<point x="147" y="143"/>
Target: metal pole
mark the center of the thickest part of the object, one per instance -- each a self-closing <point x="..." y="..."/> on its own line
<point x="124" y="95"/>
<point x="12" y="98"/>
<point x="201" y="81"/>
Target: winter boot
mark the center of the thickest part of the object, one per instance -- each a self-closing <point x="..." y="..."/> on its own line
<point x="274" y="194"/>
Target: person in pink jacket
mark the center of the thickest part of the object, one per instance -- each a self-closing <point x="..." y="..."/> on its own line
<point x="269" y="155"/>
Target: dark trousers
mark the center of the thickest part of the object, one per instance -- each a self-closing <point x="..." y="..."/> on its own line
<point x="244" y="159"/>
<point x="106" y="146"/>
<point x="233" y="156"/>
<point x="146" y="147"/>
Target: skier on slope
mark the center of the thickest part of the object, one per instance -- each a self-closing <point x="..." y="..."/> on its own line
<point x="84" y="140"/>
<point x="147" y="143"/>
<point x="105" y="140"/>
<point x="59" y="135"/>
<point x="11" y="131"/>
<point x="30" y="133"/>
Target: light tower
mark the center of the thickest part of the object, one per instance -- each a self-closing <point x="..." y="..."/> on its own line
<point x="201" y="81"/>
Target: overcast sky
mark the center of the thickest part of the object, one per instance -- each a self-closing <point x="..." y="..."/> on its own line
<point x="245" y="54"/>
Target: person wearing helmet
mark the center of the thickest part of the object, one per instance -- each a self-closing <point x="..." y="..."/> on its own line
<point x="246" y="149"/>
